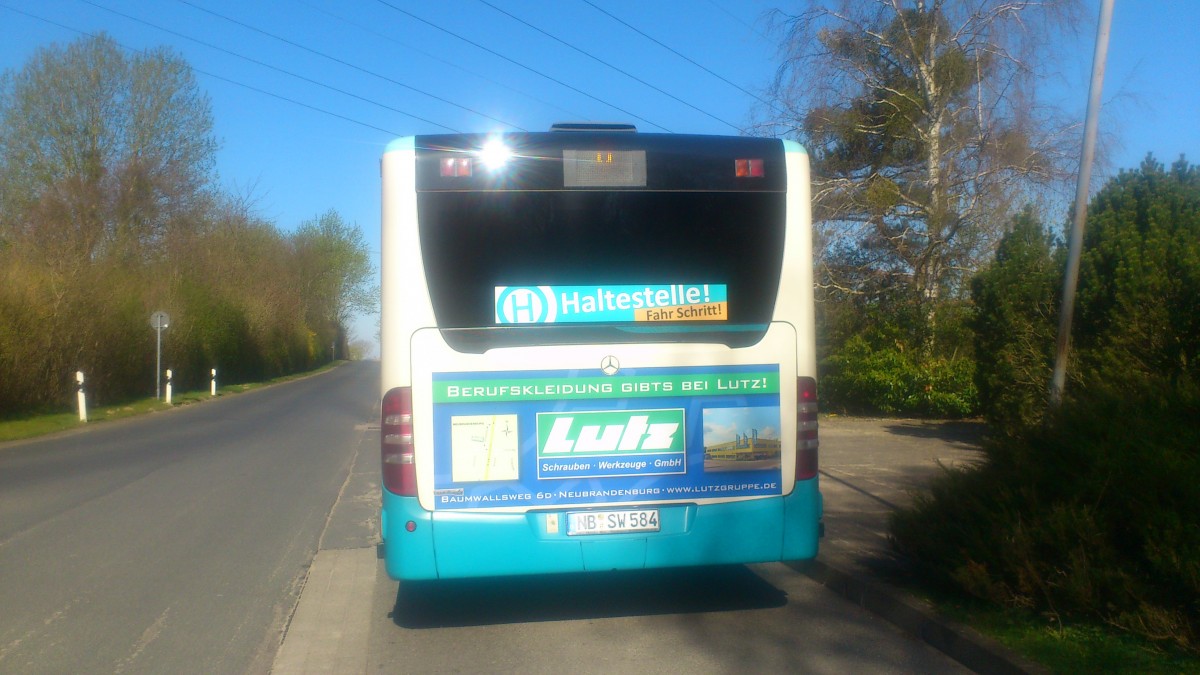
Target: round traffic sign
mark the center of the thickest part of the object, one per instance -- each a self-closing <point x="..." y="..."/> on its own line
<point x="159" y="320"/>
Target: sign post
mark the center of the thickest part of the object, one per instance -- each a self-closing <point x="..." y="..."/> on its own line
<point x="158" y="321"/>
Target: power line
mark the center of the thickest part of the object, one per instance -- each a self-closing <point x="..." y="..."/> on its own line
<point x="606" y="63"/>
<point x="208" y="74"/>
<point x="522" y="65"/>
<point x="267" y="65"/>
<point x="348" y="64"/>
<point x="294" y="102"/>
<point x="439" y="59"/>
<point x="738" y="19"/>
<point x="676" y="53"/>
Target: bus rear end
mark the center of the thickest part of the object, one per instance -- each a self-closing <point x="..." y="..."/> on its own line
<point x="597" y="354"/>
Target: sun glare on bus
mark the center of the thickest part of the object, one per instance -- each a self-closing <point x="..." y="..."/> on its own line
<point x="495" y="154"/>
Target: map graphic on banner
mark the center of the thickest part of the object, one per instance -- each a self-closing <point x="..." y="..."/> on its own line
<point x="485" y="447"/>
<point x="546" y="438"/>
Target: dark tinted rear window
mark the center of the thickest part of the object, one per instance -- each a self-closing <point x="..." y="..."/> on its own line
<point x="536" y="233"/>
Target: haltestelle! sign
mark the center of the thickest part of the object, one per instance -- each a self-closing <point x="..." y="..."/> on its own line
<point x="596" y="304"/>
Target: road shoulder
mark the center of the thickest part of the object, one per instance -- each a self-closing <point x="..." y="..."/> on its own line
<point x="330" y="629"/>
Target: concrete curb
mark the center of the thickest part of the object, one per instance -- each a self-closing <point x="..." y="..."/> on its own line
<point x="331" y="628"/>
<point x="961" y="643"/>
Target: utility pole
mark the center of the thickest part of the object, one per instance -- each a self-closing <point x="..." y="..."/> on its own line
<point x="1071" y="279"/>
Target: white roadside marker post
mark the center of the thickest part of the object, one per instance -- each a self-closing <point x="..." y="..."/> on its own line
<point x="80" y="396"/>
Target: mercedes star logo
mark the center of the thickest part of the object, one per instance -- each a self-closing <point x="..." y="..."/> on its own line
<point x="610" y="365"/>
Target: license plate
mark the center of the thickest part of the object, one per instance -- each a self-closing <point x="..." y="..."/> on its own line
<point x="611" y="522"/>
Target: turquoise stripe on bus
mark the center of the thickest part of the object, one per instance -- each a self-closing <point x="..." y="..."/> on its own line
<point x="803" y="511"/>
<point x="793" y="146"/>
<point x="404" y="143"/>
<point x="473" y="544"/>
<point x="409" y="554"/>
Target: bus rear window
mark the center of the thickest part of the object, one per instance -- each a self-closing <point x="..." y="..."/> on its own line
<point x="723" y="250"/>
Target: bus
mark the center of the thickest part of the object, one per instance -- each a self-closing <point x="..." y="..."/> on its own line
<point x="579" y="327"/>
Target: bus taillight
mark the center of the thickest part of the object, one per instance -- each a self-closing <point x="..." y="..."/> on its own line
<point x="456" y="167"/>
<point x="806" y="428"/>
<point x="396" y="442"/>
<point x="748" y="168"/>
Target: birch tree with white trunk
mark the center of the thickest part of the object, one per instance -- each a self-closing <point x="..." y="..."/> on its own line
<point x="926" y="132"/>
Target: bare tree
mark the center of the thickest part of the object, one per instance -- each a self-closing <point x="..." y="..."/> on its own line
<point x="108" y="212"/>
<point x="925" y="129"/>
<point x="101" y="150"/>
<point x="101" y="153"/>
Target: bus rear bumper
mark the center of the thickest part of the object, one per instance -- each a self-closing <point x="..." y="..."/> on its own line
<point x="456" y="544"/>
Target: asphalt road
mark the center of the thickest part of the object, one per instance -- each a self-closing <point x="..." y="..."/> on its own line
<point x="195" y="540"/>
<point x="757" y="618"/>
<point x="766" y="618"/>
<point x="744" y="619"/>
<point x="176" y="542"/>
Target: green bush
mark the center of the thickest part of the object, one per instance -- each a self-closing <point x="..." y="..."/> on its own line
<point x="1139" y="277"/>
<point x="883" y="364"/>
<point x="1017" y="300"/>
<point x="1093" y="511"/>
<point x="1091" y="514"/>
<point x="893" y="381"/>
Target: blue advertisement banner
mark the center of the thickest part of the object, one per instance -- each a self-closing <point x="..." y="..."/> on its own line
<point x="687" y="433"/>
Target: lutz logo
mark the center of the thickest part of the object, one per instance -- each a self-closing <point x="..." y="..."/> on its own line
<point x="610" y="432"/>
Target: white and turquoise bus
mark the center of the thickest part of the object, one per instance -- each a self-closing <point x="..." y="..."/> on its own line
<point x="598" y="353"/>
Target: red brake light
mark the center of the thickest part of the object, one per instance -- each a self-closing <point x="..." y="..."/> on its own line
<point x="396" y="442"/>
<point x="806" y="428"/>
<point x="748" y="168"/>
<point x="456" y="167"/>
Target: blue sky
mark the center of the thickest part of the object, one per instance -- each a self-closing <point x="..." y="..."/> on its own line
<point x="400" y="75"/>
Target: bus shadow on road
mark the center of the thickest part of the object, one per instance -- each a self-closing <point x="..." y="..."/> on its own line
<point x="564" y="597"/>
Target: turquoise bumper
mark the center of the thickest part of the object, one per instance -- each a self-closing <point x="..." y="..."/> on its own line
<point x="453" y="544"/>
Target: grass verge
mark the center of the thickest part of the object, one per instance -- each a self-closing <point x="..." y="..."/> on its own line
<point x="48" y="423"/>
<point x="1086" y="522"/>
<point x="1072" y="647"/>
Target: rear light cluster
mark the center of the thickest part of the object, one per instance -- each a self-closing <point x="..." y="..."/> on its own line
<point x="748" y="168"/>
<point x="396" y="442"/>
<point x="462" y="167"/>
<point x="456" y="167"/>
<point x="806" y="428"/>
